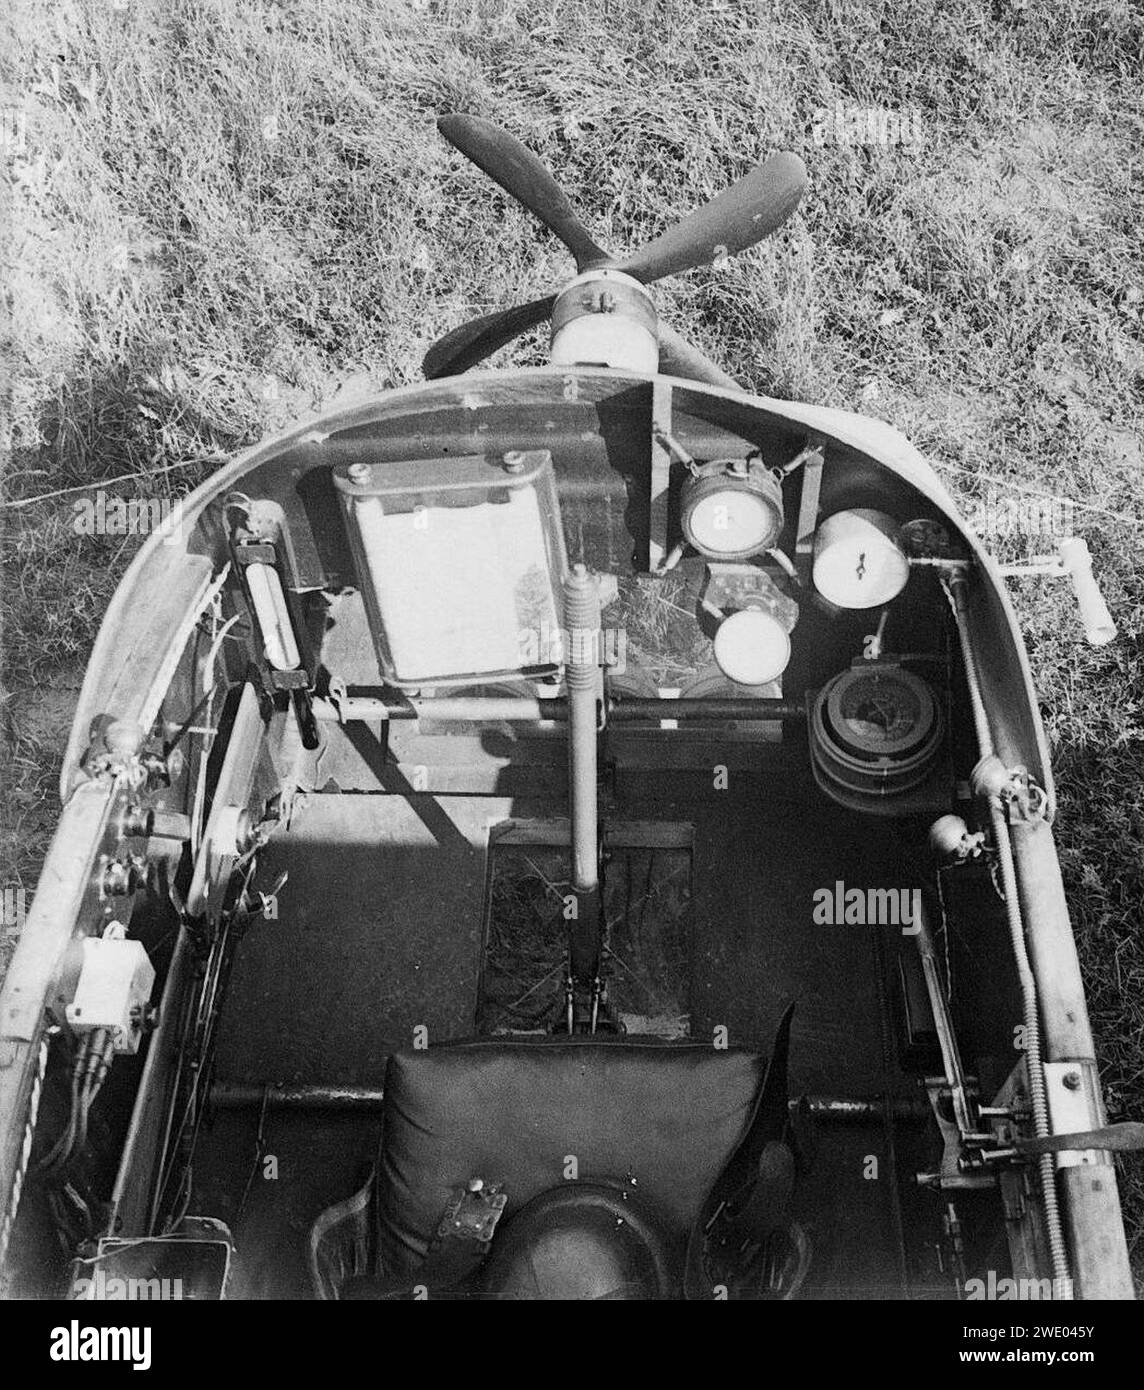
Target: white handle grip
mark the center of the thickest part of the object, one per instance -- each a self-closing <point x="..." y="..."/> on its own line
<point x="1098" y="625"/>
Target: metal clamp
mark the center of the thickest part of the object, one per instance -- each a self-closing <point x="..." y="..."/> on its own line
<point x="473" y="1212"/>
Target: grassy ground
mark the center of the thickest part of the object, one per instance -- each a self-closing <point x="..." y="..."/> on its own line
<point x="220" y="214"/>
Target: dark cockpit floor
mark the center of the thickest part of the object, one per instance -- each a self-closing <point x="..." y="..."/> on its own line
<point x="379" y="935"/>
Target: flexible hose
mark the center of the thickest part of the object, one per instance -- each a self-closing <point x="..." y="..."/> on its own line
<point x="955" y="590"/>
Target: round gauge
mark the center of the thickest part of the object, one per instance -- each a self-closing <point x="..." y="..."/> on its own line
<point x="858" y="562"/>
<point x="728" y="523"/>
<point x="731" y="510"/>
<point x="875" y="729"/>
<point x="880" y="712"/>
<point x="752" y="647"/>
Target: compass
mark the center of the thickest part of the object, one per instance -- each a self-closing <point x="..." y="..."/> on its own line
<point x="875" y="728"/>
<point x="881" y="712"/>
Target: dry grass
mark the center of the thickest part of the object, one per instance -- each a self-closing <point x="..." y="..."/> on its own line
<point x="221" y="212"/>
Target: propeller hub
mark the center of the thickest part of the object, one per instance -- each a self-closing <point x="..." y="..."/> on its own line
<point x="604" y="318"/>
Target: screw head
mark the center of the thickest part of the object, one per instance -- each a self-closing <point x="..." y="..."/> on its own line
<point x="1071" y="1081"/>
<point x="359" y="473"/>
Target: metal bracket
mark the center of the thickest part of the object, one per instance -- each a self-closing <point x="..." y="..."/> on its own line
<point x="660" y="479"/>
<point x="1025" y="800"/>
<point x="952" y="1174"/>
<point x="473" y="1213"/>
<point x="1071" y="1089"/>
<point x="812" y="466"/>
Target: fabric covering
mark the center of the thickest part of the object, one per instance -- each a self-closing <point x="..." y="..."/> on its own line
<point x="663" y="1116"/>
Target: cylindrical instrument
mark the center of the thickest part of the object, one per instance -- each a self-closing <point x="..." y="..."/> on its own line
<point x="858" y="562"/>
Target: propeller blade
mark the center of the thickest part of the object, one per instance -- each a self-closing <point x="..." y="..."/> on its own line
<point x="464" y="347"/>
<point x="739" y="217"/>
<point x="521" y="174"/>
<point x="678" y="358"/>
<point x="744" y="214"/>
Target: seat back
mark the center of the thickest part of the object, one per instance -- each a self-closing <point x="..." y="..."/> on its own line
<point x="532" y="1114"/>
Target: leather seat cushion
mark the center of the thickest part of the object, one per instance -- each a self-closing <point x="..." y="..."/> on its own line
<point x="665" y="1115"/>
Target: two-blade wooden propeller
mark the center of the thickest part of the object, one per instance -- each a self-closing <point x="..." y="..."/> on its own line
<point x="742" y="215"/>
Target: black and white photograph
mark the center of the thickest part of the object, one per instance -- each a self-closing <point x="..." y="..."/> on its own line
<point x="570" y="666"/>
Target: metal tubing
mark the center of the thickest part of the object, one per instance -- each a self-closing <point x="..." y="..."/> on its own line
<point x="582" y="680"/>
<point x="868" y="1110"/>
<point x="956" y="589"/>
<point x="951" y="1057"/>
<point x="1092" y="1207"/>
<point x="523" y="710"/>
<point x="240" y="1095"/>
<point x="623" y="708"/>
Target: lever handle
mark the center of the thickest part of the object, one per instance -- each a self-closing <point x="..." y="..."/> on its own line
<point x="1125" y="1137"/>
<point x="1099" y="628"/>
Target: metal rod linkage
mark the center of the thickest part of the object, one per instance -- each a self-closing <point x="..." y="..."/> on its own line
<point x="621" y="709"/>
<point x="240" y="1095"/>
<point x="583" y="681"/>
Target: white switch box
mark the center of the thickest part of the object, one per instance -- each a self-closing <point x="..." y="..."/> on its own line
<point x="114" y="989"/>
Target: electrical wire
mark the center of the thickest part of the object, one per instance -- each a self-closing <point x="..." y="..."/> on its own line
<point x="259" y="1145"/>
<point x="90" y="1067"/>
<point x="61" y="1150"/>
